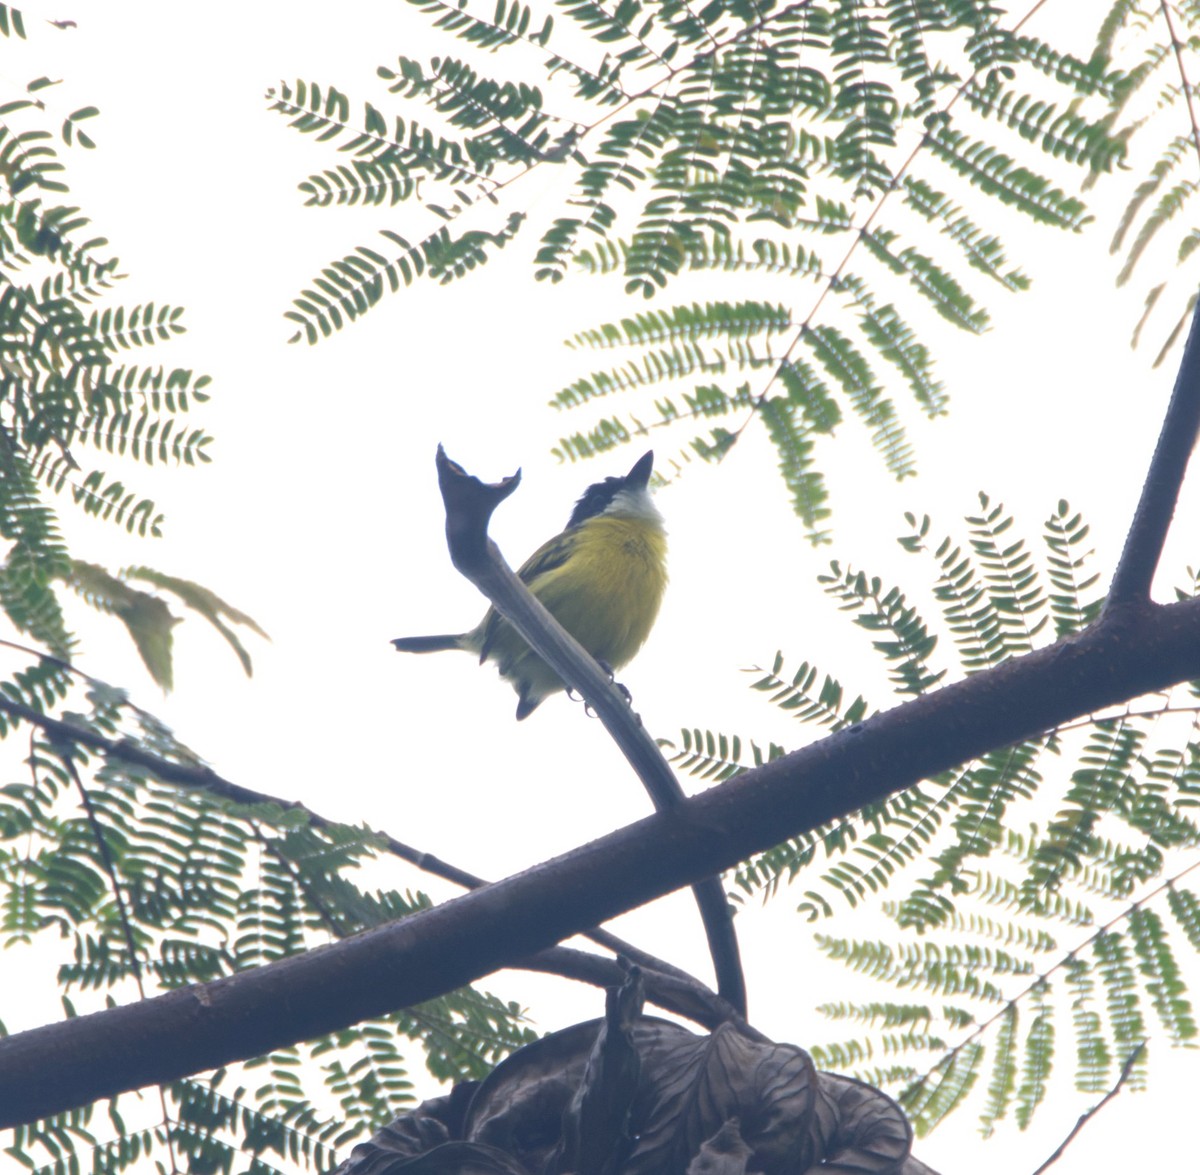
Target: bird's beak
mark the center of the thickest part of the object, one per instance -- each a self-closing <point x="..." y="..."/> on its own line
<point x="639" y="475"/>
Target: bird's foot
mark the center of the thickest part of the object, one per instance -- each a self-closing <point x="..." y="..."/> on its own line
<point x="624" y="690"/>
<point x="608" y="669"/>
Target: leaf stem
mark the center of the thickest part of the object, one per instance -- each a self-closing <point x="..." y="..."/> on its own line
<point x="1087" y="1115"/>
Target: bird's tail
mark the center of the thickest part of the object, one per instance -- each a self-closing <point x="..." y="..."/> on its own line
<point x="430" y="644"/>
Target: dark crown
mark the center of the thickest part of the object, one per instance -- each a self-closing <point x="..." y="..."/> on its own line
<point x="597" y="498"/>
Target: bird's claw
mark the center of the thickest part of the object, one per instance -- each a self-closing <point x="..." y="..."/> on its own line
<point x="587" y="706"/>
<point x="608" y="669"/>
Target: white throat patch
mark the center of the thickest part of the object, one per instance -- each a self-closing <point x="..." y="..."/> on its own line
<point x="634" y="504"/>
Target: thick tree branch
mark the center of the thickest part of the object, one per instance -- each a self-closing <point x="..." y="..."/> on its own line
<point x="666" y="985"/>
<point x="1139" y="649"/>
<point x="1176" y="440"/>
<point x="469" y="506"/>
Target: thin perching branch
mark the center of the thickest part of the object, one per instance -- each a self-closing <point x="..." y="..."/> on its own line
<point x="469" y="506"/>
<point x="1160" y="491"/>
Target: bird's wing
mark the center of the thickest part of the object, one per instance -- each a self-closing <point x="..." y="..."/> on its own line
<point x="551" y="554"/>
<point x="548" y="556"/>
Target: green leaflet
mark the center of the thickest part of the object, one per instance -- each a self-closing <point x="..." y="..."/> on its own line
<point x="148" y="618"/>
<point x="1029" y="937"/>
<point x="73" y="418"/>
<point x="775" y="141"/>
<point x="211" y="887"/>
<point x="1153" y="59"/>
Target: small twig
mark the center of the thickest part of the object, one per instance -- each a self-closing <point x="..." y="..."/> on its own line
<point x="469" y="506"/>
<point x="329" y="917"/>
<point x="1184" y="84"/>
<point x="66" y="756"/>
<point x="1148" y="531"/>
<point x="74" y="670"/>
<point x="668" y="986"/>
<point x="49" y="658"/>
<point x="1085" y="1117"/>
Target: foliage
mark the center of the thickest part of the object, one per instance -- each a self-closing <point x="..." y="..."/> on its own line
<point x="132" y="886"/>
<point x="137" y="887"/>
<point x="854" y="159"/>
<point x="71" y="407"/>
<point x="1040" y="895"/>
<point x="1155" y="112"/>
<point x="836" y="160"/>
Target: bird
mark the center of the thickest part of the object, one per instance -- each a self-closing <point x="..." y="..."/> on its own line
<point x="602" y="578"/>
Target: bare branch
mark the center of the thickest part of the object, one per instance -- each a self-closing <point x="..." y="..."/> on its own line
<point x="1148" y="531"/>
<point x="469" y="506"/>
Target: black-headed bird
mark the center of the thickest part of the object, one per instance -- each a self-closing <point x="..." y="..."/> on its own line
<point x="602" y="578"/>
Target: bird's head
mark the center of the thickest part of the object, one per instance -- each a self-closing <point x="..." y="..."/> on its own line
<point x="626" y="496"/>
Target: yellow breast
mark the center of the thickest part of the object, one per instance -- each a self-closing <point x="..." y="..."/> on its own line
<point x="607" y="594"/>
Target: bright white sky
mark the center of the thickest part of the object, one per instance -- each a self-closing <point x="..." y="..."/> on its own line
<point x="320" y="516"/>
